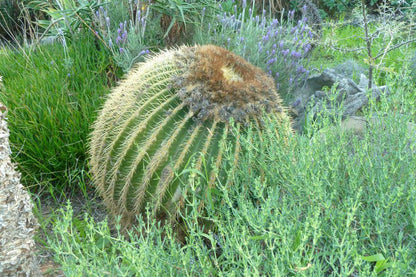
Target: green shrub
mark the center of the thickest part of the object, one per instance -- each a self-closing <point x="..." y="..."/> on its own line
<point x="335" y="204"/>
<point x="52" y="93"/>
<point x="334" y="8"/>
<point x="342" y="41"/>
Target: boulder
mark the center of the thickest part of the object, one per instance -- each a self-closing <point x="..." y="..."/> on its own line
<point x="333" y="92"/>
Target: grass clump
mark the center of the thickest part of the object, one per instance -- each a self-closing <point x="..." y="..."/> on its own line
<point x="52" y="92"/>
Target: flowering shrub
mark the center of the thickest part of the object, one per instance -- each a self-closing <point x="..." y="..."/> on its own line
<point x="125" y="39"/>
<point x="277" y="46"/>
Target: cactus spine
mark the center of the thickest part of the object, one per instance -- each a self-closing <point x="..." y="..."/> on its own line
<point x="173" y="107"/>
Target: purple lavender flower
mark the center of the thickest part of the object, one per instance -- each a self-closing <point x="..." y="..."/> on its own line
<point x="300" y="69"/>
<point x="295" y="54"/>
<point x="296" y="103"/>
<point x="302" y="30"/>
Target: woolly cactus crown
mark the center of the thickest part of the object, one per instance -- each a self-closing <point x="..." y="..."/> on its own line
<point x="172" y="108"/>
<point x="218" y="84"/>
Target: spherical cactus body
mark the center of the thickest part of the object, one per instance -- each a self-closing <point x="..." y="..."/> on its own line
<point x="172" y="109"/>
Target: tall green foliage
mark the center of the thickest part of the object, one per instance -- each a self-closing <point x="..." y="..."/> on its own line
<point x="51" y="92"/>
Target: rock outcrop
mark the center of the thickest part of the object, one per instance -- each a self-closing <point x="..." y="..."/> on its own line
<point x="333" y="92"/>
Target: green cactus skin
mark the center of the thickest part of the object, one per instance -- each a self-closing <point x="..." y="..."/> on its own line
<point x="171" y="109"/>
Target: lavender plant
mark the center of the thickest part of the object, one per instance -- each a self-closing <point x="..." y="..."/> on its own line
<point x="125" y="38"/>
<point x="278" y="46"/>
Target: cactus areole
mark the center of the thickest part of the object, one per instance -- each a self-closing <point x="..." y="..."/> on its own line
<point x="172" y="109"/>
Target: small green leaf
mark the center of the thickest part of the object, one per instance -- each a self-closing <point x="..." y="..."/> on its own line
<point x="263" y="237"/>
<point x="374" y="258"/>
<point x="382" y="265"/>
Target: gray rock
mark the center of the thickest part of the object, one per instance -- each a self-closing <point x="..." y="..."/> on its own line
<point x="333" y="92"/>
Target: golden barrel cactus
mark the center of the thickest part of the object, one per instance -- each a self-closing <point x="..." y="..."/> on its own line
<point x="171" y="109"/>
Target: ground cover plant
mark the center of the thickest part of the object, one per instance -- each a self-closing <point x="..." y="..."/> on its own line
<point x="335" y="205"/>
<point x="327" y="202"/>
